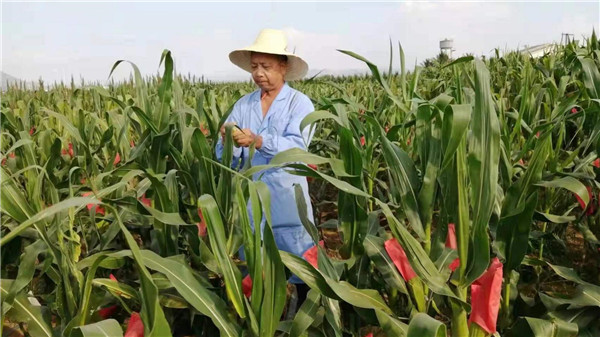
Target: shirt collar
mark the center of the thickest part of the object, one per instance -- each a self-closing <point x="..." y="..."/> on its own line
<point x="283" y="94"/>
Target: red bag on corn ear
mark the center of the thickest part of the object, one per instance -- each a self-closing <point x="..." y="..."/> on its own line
<point x="69" y="151"/>
<point x="370" y="334"/>
<point x="311" y="254"/>
<point x="485" y="297"/>
<point x="201" y="225"/>
<point x="108" y="312"/>
<point x="247" y="285"/>
<point x="146" y="201"/>
<point x="135" y="327"/>
<point x="590" y="209"/>
<point x="117" y="159"/>
<point x="451" y="243"/>
<point x="314" y="167"/>
<point x="596" y="163"/>
<point x="204" y="130"/>
<point x="398" y="256"/>
<point x="99" y="209"/>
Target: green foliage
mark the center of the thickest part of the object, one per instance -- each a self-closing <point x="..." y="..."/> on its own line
<point x="102" y="182"/>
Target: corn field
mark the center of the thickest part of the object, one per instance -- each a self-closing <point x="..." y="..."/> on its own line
<point x="458" y="199"/>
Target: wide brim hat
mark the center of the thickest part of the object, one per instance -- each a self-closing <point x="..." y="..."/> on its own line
<point x="270" y="41"/>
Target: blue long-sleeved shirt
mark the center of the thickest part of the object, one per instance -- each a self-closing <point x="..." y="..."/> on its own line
<point x="280" y="130"/>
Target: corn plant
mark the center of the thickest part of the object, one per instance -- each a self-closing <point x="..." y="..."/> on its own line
<point x="447" y="198"/>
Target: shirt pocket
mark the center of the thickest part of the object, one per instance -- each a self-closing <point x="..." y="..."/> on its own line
<point x="278" y="123"/>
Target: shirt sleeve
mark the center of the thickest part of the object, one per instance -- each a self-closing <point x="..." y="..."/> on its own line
<point x="292" y="136"/>
<point x="234" y="116"/>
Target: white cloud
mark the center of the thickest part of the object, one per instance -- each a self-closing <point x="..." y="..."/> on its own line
<point x="317" y="49"/>
<point x="203" y="49"/>
<point x="480" y="27"/>
<point x="417" y="6"/>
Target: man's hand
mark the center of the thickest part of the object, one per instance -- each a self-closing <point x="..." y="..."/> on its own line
<point x="245" y="138"/>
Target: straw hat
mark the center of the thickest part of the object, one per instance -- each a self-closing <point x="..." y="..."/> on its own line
<point x="270" y="41"/>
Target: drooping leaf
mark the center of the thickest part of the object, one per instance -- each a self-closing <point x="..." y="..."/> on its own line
<point x="423" y="325"/>
<point x="536" y="327"/>
<point x="106" y="328"/>
<point x="45" y="213"/>
<point x="391" y="325"/>
<point x="203" y="300"/>
<point x="362" y="298"/>
<point x="374" y="248"/>
<point x="23" y="311"/>
<point x="570" y="184"/>
<point x="306" y="314"/>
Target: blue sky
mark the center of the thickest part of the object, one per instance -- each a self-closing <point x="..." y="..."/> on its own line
<point x="56" y="40"/>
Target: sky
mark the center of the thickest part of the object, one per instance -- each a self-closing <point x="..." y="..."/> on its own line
<point x="55" y="41"/>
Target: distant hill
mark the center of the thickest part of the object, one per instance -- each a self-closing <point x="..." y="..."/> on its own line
<point x="7" y="80"/>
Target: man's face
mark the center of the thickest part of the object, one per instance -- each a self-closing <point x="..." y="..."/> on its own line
<point x="268" y="70"/>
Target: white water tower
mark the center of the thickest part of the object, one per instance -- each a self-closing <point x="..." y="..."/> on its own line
<point x="446" y="47"/>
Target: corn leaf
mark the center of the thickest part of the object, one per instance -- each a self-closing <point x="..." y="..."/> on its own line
<point x="374" y="248"/>
<point x="483" y="159"/>
<point x="203" y="300"/>
<point x="423" y="325"/>
<point x="536" y="327"/>
<point x="25" y="312"/>
<point x="306" y="314"/>
<point x="155" y="323"/>
<point x="105" y="328"/>
<point x="390" y="325"/>
<point x="216" y="235"/>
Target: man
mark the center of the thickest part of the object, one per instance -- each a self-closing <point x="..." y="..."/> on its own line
<point x="270" y="118"/>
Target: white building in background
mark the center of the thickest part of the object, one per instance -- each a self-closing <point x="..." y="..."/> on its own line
<point x="537" y="50"/>
<point x="544" y="48"/>
<point x="446" y="47"/>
